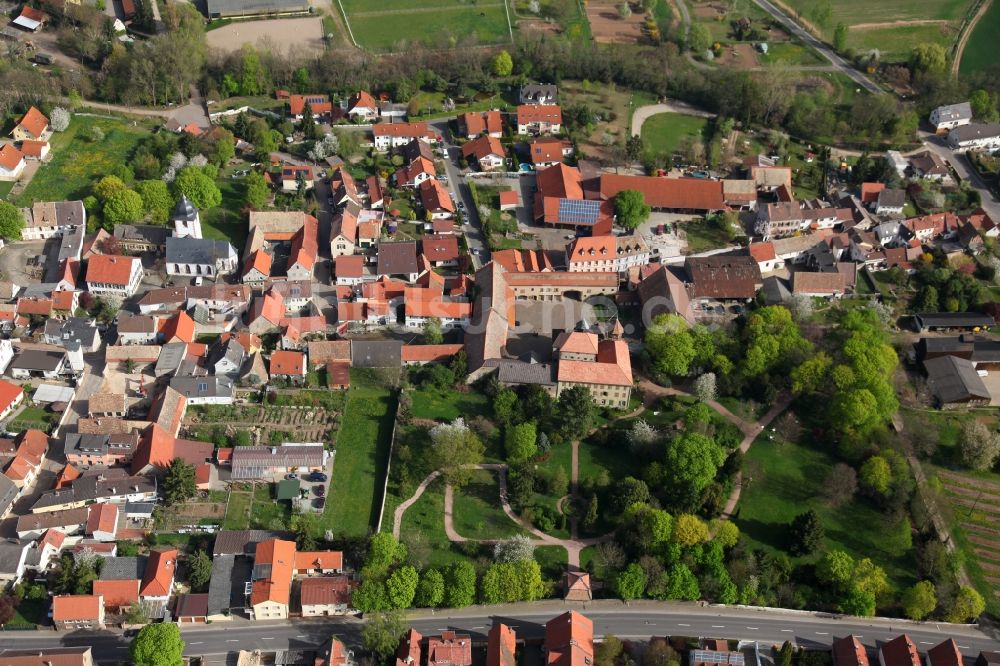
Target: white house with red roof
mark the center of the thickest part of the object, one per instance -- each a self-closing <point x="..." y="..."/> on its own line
<point x="113" y="275"/>
<point x="11" y="162"/>
<point x="11" y="395"/>
<point x="362" y="106"/>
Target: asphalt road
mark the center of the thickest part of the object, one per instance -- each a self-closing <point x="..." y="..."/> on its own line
<point x="640" y="620"/>
<point x="838" y="63"/>
<point x="460" y="192"/>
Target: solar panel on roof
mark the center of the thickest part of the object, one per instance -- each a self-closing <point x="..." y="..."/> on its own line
<point x="713" y="657"/>
<point x="577" y="211"/>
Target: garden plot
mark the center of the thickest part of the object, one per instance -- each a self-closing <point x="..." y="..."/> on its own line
<point x="975" y="504"/>
<point x="262" y="425"/>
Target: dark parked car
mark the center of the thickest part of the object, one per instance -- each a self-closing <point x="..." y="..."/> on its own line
<point x="319" y="490"/>
<point x="319" y="502"/>
<point x="317" y="476"/>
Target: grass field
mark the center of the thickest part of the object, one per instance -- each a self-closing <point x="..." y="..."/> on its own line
<point x="362" y="456"/>
<point x="887" y="26"/>
<point x="789" y="53"/>
<point x="448" y="405"/>
<point x="981" y="51"/>
<point x="782" y="480"/>
<point x="664" y="133"/>
<point x="477" y="513"/>
<point x="224" y="222"/>
<point x="444" y="23"/>
<point x="77" y="161"/>
<point x="236" y="512"/>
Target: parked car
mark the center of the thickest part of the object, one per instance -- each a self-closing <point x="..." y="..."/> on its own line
<point x="319" y="502"/>
<point x="319" y="490"/>
<point x="317" y="476"/>
<point x="291" y="476"/>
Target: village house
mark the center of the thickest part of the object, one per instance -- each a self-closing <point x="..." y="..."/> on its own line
<point x="950" y="116"/>
<point x="539" y="119"/>
<point x="53" y="218"/>
<point x="547" y="151"/>
<point x="486" y="153"/>
<point x="538" y="93"/>
<point x="362" y="106"/>
<point x="113" y="275"/>
<point x="975" y="136"/>
<point x="295" y="177"/>
<point x="289" y="366"/>
<point x="472" y="124"/>
<point x="32" y="126"/>
<point x="606" y="254"/>
<point x="416" y="172"/>
<point x="11" y="162"/>
<point x="436" y="200"/>
<point x="394" y="135"/>
<point x="78" y="611"/>
<point x="325" y="596"/>
<point x="319" y="105"/>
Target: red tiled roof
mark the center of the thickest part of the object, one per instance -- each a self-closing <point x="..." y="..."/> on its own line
<point x="592" y="248"/>
<point x="33" y="148"/>
<point x="260" y="260"/>
<point x="509" y="198"/>
<point x="203" y="474"/>
<point x="52" y="537"/>
<point x="762" y="252"/>
<point x="539" y="113"/>
<point x="33" y="14"/>
<point x="430" y="353"/>
<point x="418" y="166"/>
<point x="276" y="587"/>
<point x="870" y="192"/>
<point x="434" y="197"/>
<point x="320" y="104"/>
<point x="500" y="646"/>
<point x="66" y="476"/>
<point x="900" y="651"/>
<point x="117" y="593"/>
<point x="76" y="607"/>
<point x="945" y="653"/>
<point x="349" y="266"/>
<point x="63" y="300"/>
<point x="291" y="363"/>
<point x="103" y="517"/>
<point x="479" y="122"/>
<point x="110" y="269"/>
<point x="674" y="193"/>
<point x="362" y="99"/>
<point x="440" y="247"/>
<point x="520" y="261"/>
<point x="319" y="559"/>
<point x="34" y="121"/>
<point x="576" y="342"/>
<point x="305" y="244"/>
<point x="569" y="640"/>
<point x="8" y="394"/>
<point x="414" y="130"/>
<point x="10" y="156"/>
<point x="483" y="147"/>
<point x="613" y="366"/>
<point x="160" y="569"/>
<point x="270" y="306"/>
<point x="439" y="308"/>
<point x="34" y="306"/>
<point x="326" y="590"/>
<point x="449" y="649"/>
<point x="180" y="327"/>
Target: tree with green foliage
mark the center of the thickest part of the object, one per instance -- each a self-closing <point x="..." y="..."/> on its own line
<point x="858" y="602"/>
<point x="631" y="208"/>
<point x="455" y="447"/>
<point x="158" y="645"/>
<point x="920" y="600"/>
<point x="967" y="605"/>
<point x="179" y="485"/>
<point x="370" y="596"/>
<point x="699" y="38"/>
<point x="682" y="584"/>
<point x="505" y="407"/>
<point x="503" y="64"/>
<point x="11" y="221"/>
<point x="122" y="206"/>
<point x="199" y="571"/>
<point x="727" y="534"/>
<point x="773" y="342"/>
<point x="381" y="633"/>
<point x="136" y="614"/>
<point x="432" y="331"/>
<point x="630" y="583"/>
<point x="107" y="186"/>
<point x="384" y="552"/>
<point x="257" y="191"/>
<point x="430" y="590"/>
<point x="785" y="654"/>
<point x="806" y="533"/>
<point x="649" y="529"/>
<point x="670" y="344"/>
<point x="689" y="530"/>
<point x="692" y="461"/>
<point x="835" y="568"/>
<point x="308" y="122"/>
<point x="871" y="578"/>
<point x="198" y="187"/>
<point x="460" y="585"/>
<point x="876" y="475"/>
<point x="929" y="58"/>
<point x="811" y="375"/>
<point x="401" y="586"/>
<point x="575" y="412"/>
<point x="520" y="442"/>
<point x="628" y="492"/>
<point x="840" y="34"/>
<point x="984" y="105"/>
<point x="156" y="200"/>
<point x="609" y="651"/>
<point x="509" y="582"/>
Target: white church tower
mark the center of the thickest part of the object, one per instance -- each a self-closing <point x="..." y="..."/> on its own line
<point x="187" y="222"/>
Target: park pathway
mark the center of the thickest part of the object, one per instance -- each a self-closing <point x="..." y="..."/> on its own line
<point x="574" y="545"/>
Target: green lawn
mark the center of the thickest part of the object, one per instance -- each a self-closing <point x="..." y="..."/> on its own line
<point x="664" y="132"/>
<point x="33" y="417"/>
<point x="225" y="221"/>
<point x="448" y="22"/>
<point x="853" y="12"/>
<point x="423" y="524"/>
<point x="5" y="188"/>
<point x="449" y="404"/>
<point x="77" y="161"/>
<point x="237" y="511"/>
<point x="267" y="513"/>
<point x="702" y="236"/>
<point x="789" y="53"/>
<point x="781" y="480"/>
<point x="29" y="613"/>
<point x="896" y="42"/>
<point x="362" y="456"/>
<point x="552" y="560"/>
<point x="477" y="512"/>
<point x="981" y="51"/>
